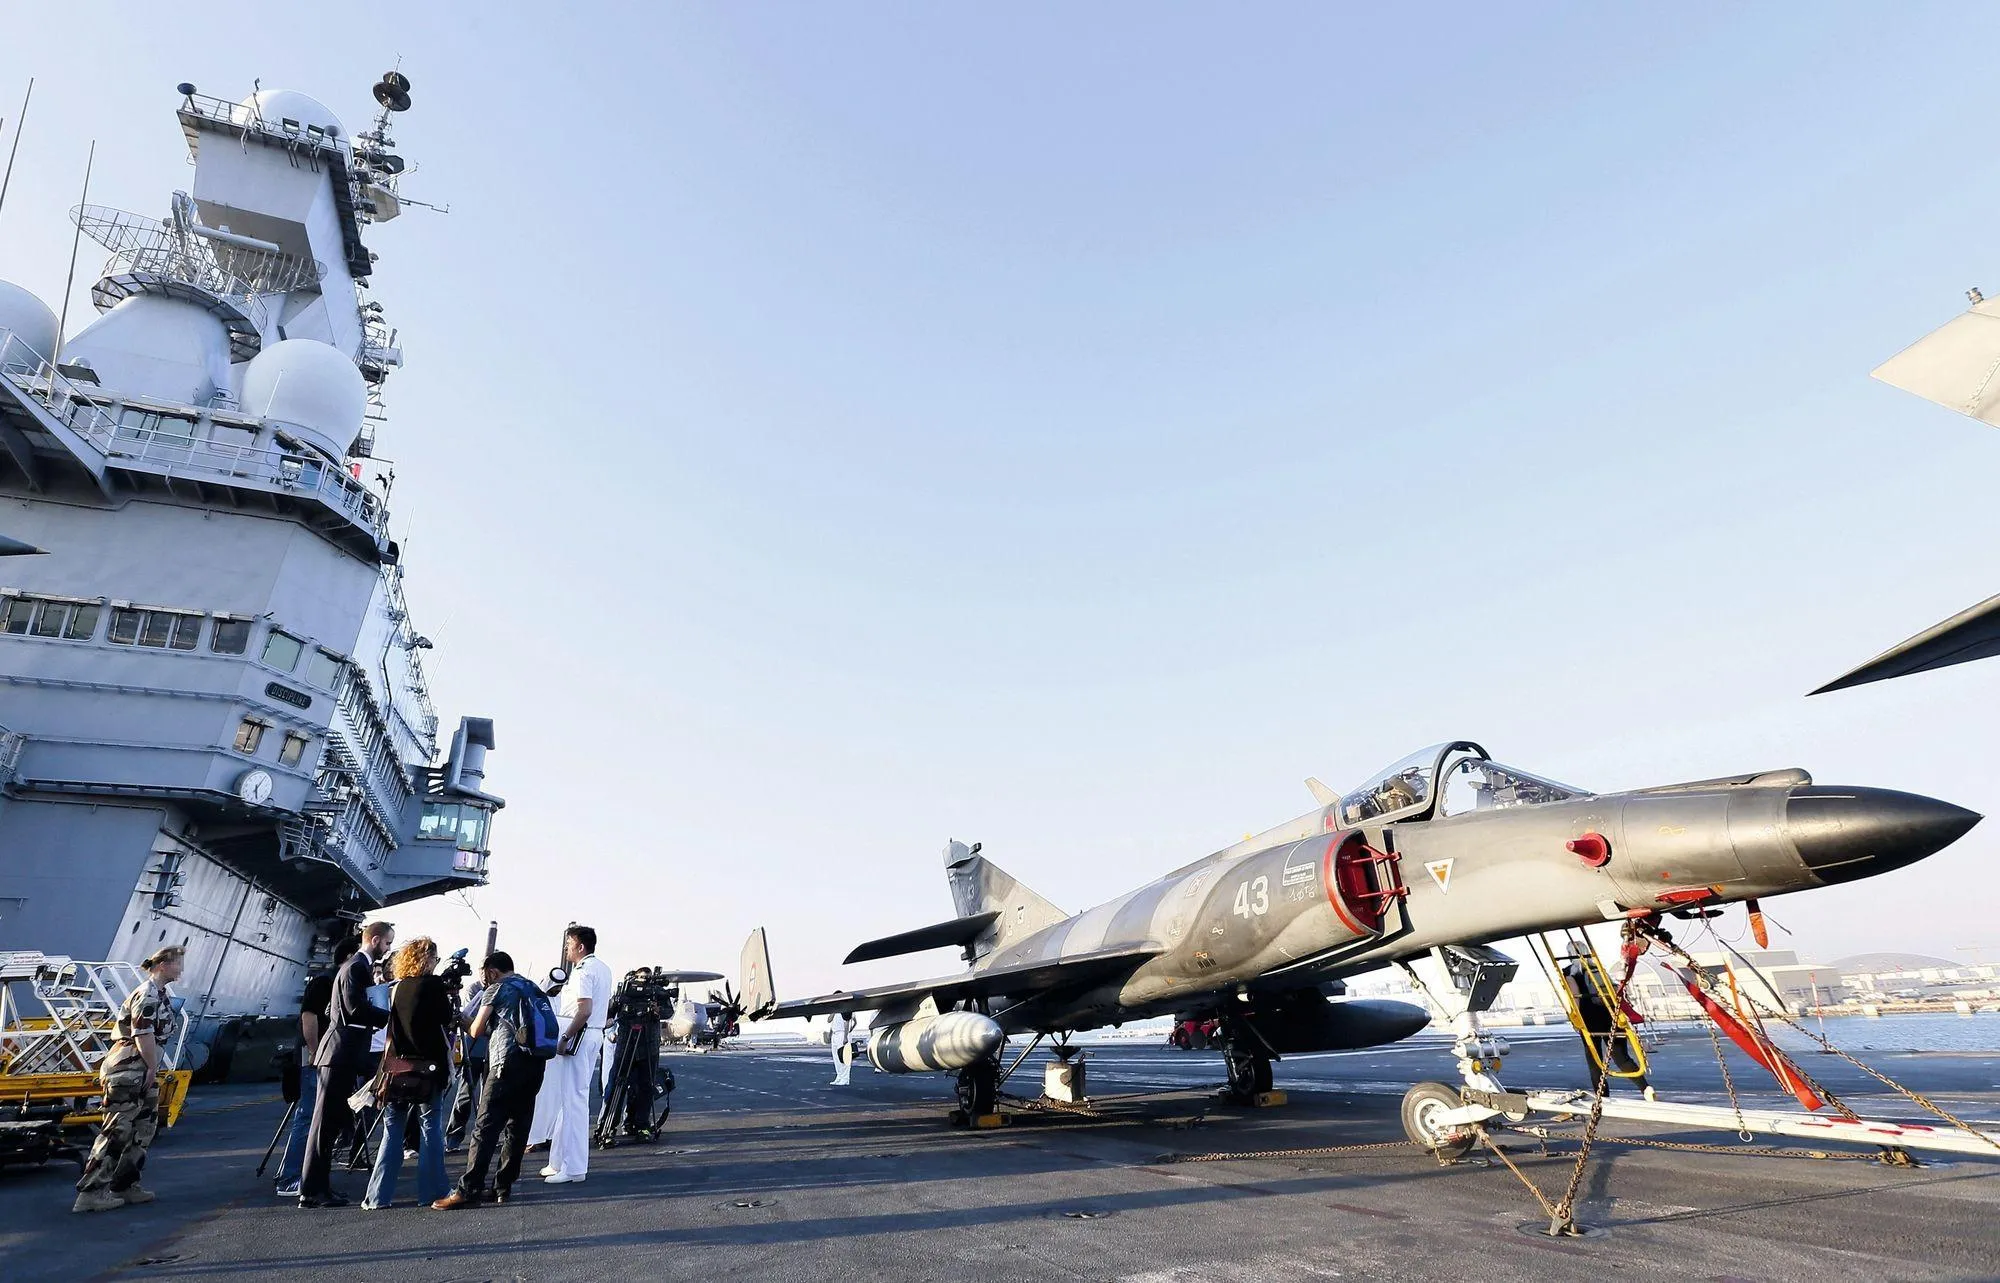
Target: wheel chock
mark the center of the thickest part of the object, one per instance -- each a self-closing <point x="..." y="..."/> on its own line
<point x="991" y="1120"/>
<point x="1269" y="1099"/>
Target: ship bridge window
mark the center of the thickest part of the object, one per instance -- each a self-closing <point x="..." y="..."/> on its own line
<point x="249" y="734"/>
<point x="229" y="636"/>
<point x="143" y="626"/>
<point x="66" y="618"/>
<point x="168" y="428"/>
<point x="282" y="650"/>
<point x="294" y="748"/>
<point x="75" y="621"/>
<point x="454" y="822"/>
<point x="323" y="668"/>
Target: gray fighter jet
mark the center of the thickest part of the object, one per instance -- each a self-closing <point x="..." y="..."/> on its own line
<point x="1424" y="863"/>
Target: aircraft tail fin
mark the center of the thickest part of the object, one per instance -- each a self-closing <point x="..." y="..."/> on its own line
<point x="1321" y="793"/>
<point x="758" y="995"/>
<point x="979" y="886"/>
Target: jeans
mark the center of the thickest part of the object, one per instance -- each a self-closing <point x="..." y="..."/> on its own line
<point x="294" y="1158"/>
<point x="431" y="1181"/>
<point x="506" y="1109"/>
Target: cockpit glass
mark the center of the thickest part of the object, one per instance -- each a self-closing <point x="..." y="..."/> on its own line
<point x="1467" y="780"/>
<point x="1471" y="783"/>
<point x="1401" y="788"/>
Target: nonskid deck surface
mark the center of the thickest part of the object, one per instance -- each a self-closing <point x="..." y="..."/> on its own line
<point x="766" y="1172"/>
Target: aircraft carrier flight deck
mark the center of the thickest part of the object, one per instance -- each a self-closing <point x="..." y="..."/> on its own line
<point x="765" y="1171"/>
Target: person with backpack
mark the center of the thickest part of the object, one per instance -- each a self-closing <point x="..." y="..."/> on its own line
<point x="519" y="1024"/>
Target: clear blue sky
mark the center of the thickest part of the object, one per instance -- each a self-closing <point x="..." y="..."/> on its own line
<point x="831" y="430"/>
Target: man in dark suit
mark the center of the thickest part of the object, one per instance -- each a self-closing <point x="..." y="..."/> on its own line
<point x="339" y="1058"/>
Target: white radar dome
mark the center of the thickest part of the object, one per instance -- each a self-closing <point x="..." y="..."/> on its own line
<point x="278" y="105"/>
<point x="29" y="320"/>
<point x="311" y="387"/>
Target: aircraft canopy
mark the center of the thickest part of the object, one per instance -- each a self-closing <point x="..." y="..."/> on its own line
<point x="1446" y="779"/>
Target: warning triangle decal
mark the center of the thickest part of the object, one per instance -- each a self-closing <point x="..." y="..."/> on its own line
<point x="1440" y="871"/>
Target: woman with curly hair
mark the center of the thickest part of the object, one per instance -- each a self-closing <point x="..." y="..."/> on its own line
<point x="415" y="1067"/>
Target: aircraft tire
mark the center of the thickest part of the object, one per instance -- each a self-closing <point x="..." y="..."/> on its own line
<point x="979" y="1088"/>
<point x="1421" y="1104"/>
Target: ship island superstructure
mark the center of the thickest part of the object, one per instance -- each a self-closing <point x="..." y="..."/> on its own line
<point x="214" y="723"/>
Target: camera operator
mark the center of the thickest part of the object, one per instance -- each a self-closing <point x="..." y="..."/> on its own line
<point x="632" y="1058"/>
<point x="507" y="1020"/>
<point x="586" y="1005"/>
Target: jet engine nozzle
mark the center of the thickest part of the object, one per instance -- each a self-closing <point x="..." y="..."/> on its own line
<point x="1847" y="833"/>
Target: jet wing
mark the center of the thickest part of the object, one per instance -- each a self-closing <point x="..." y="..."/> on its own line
<point x="1969" y="635"/>
<point x="1074" y="971"/>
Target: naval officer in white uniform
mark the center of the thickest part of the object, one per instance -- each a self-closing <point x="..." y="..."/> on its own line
<point x="840" y="1036"/>
<point x="586" y="1001"/>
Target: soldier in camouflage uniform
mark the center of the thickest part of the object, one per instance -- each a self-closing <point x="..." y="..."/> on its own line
<point x="130" y="1076"/>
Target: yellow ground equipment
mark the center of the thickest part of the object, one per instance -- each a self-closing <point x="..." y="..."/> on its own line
<point x="1577" y="952"/>
<point x="58" y="1019"/>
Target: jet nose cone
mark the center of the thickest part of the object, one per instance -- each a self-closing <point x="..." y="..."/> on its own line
<point x="1848" y="833"/>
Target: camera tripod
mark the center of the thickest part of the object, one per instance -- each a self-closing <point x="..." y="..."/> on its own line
<point x="635" y="1084"/>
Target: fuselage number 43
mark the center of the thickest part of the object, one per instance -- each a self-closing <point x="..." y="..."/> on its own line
<point x="1253" y="896"/>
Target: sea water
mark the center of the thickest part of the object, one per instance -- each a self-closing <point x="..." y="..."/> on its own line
<point x="1924" y="1031"/>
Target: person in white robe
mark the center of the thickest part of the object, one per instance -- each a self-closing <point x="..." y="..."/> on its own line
<point x="586" y="1004"/>
<point x="840" y="1036"/>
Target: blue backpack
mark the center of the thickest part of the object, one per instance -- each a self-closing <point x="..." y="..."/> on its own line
<point x="541" y="1032"/>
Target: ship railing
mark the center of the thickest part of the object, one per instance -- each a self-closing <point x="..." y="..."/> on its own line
<point x="299" y="840"/>
<point x="186" y="250"/>
<point x="247" y="119"/>
<point x="12" y="743"/>
<point x="128" y="270"/>
<point x="62" y="396"/>
<point x="173" y="454"/>
<point x="367" y="790"/>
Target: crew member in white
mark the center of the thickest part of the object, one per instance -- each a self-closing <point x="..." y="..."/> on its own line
<point x="840" y="1036"/>
<point x="586" y="1001"/>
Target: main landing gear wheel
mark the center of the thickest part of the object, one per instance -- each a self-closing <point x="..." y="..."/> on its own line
<point x="1249" y="1074"/>
<point x="1422" y="1105"/>
<point x="978" y="1091"/>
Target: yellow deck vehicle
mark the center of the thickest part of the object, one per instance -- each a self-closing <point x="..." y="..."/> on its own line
<point x="58" y="1019"/>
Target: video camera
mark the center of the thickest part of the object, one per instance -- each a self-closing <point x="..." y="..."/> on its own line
<point x="646" y="993"/>
<point x="638" y="1090"/>
<point x="456" y="969"/>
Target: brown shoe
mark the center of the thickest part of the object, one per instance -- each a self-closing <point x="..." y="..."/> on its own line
<point x="453" y="1201"/>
